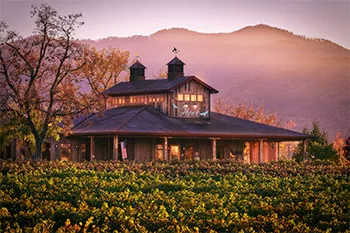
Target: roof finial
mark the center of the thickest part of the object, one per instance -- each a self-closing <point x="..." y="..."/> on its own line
<point x="175" y="51"/>
<point x="137" y="57"/>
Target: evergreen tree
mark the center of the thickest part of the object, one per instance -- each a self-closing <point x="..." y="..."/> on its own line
<point x="317" y="147"/>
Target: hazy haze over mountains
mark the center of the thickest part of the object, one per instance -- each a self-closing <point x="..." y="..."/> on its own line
<point x="301" y="79"/>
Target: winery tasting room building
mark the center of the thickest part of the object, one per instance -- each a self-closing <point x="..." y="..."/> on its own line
<point x="167" y="119"/>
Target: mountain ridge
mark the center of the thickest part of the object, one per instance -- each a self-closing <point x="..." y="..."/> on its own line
<point x="244" y="29"/>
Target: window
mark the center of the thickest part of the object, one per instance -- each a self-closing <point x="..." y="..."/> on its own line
<point x="200" y="98"/>
<point x="159" y="152"/>
<point x="193" y="97"/>
<point x="174" y="152"/>
<point x="180" y="97"/>
<point x="65" y="151"/>
<point x="187" y="97"/>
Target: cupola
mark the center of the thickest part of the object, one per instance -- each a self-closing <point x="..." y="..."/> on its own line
<point x="137" y="71"/>
<point x="175" y="68"/>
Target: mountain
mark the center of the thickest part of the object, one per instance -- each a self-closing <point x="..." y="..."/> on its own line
<point x="301" y="79"/>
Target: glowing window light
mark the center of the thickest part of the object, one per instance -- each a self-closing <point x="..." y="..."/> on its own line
<point x="193" y="98"/>
<point x="200" y="98"/>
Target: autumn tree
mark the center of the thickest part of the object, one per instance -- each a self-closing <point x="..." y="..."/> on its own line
<point x="38" y="75"/>
<point x="102" y="70"/>
<point x="161" y="74"/>
<point x="249" y="112"/>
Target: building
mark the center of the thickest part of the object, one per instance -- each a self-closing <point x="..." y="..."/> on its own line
<point x="167" y="119"/>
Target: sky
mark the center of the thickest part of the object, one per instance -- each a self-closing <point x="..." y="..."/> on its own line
<point x="327" y="19"/>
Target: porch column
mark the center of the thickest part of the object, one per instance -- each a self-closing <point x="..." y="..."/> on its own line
<point x="261" y="150"/>
<point x="278" y="151"/>
<point x="304" y="149"/>
<point x="115" y="147"/>
<point x="92" y="148"/>
<point x="214" y="148"/>
<point x="166" y="148"/>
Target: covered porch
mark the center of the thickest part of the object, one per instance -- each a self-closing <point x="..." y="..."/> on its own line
<point x="165" y="148"/>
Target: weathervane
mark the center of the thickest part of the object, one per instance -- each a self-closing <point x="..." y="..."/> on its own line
<point x="175" y="51"/>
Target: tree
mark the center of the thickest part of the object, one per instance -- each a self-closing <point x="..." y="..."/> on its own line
<point x="102" y="70"/>
<point x="161" y="74"/>
<point x="317" y="147"/>
<point x="249" y="112"/>
<point x="38" y="75"/>
<point x="338" y="144"/>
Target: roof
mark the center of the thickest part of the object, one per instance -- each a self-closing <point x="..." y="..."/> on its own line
<point x="147" y="121"/>
<point x="137" y="65"/>
<point x="152" y="86"/>
<point x="175" y="61"/>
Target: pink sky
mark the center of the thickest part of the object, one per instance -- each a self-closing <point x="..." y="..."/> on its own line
<point x="328" y="19"/>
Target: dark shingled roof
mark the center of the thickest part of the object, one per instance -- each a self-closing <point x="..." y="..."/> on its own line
<point x="152" y="86"/>
<point x="176" y="61"/>
<point x="147" y="121"/>
<point x="137" y="65"/>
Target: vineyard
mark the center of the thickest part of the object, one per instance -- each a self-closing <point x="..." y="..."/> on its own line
<point x="174" y="197"/>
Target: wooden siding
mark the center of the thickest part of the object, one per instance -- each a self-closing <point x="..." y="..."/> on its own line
<point x="186" y="108"/>
<point x="143" y="149"/>
<point x="254" y="152"/>
<point x="103" y="148"/>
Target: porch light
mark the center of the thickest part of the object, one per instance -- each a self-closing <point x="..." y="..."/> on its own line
<point x="185" y="106"/>
<point x="195" y="106"/>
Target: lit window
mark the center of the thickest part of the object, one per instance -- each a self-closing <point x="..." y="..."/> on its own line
<point x="120" y="100"/>
<point x="159" y="152"/>
<point x="180" y="97"/>
<point x="187" y="97"/>
<point x="200" y="98"/>
<point x="193" y="97"/>
<point x="158" y="99"/>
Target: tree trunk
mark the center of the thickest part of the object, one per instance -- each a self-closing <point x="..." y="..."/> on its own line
<point x="38" y="149"/>
<point x="27" y="151"/>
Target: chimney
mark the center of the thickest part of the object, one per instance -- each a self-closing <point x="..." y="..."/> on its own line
<point x="137" y="72"/>
<point x="175" y="68"/>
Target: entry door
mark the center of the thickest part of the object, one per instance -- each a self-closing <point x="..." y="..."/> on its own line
<point x="174" y="152"/>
